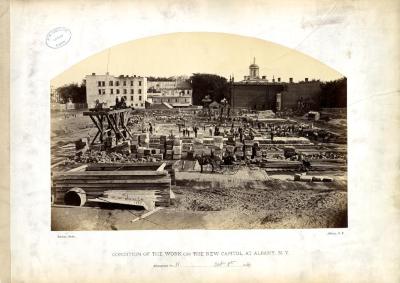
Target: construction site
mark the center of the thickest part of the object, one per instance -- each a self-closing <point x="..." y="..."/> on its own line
<point x="197" y="168"/>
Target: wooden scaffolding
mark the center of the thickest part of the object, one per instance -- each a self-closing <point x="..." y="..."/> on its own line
<point x="114" y="121"/>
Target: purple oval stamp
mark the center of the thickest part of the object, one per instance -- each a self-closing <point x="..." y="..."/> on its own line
<point x="58" y="37"/>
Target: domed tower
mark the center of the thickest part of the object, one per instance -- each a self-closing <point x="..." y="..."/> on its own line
<point x="254" y="70"/>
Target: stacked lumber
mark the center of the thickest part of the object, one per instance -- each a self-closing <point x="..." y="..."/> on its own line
<point x="142" y="166"/>
<point x="281" y="164"/>
<point x="328" y="165"/>
<point x="96" y="179"/>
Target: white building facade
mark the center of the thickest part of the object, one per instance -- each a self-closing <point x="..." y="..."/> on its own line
<point x="156" y="86"/>
<point x="175" y="93"/>
<point x="106" y="88"/>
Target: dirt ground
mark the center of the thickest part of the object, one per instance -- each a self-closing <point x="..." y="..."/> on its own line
<point x="267" y="204"/>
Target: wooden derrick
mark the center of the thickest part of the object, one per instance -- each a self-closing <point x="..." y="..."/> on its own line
<point x="110" y="120"/>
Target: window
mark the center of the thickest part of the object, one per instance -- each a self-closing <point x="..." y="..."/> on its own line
<point x="99" y="91"/>
<point x="103" y="83"/>
<point x="125" y="97"/>
<point x="140" y="83"/>
<point x="111" y="91"/>
<point x="110" y="83"/>
<point x="132" y="91"/>
<point x="140" y="91"/>
<point x="116" y="83"/>
<point x="131" y="97"/>
<point x="99" y="83"/>
<point x="136" y="104"/>
<point x="140" y="97"/>
<point x="131" y="104"/>
<point x="131" y="83"/>
<point x="124" y="83"/>
<point x="141" y="104"/>
<point x="117" y="91"/>
<point x="124" y="91"/>
<point x="176" y="99"/>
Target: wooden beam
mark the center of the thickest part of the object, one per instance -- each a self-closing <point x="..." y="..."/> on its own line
<point x="114" y="173"/>
<point x="110" y="124"/>
<point x="114" y="118"/>
<point x="58" y="163"/>
<point x="146" y="214"/>
<point x="138" y="181"/>
<point x="98" y="130"/>
<point x="101" y="125"/>
<point x="78" y="169"/>
<point x="161" y="168"/>
<point x="105" y="112"/>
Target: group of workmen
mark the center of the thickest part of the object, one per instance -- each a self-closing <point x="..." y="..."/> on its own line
<point x="186" y="130"/>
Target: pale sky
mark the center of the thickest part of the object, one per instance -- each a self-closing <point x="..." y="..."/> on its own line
<point x="187" y="53"/>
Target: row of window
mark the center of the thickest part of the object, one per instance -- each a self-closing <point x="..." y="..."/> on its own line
<point x="125" y="98"/>
<point x="137" y="104"/>
<point x="103" y="91"/>
<point x="111" y="83"/>
<point x="169" y="100"/>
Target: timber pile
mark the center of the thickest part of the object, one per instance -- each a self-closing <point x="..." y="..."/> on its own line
<point x="272" y="165"/>
<point x="328" y="164"/>
<point x="142" y="166"/>
<point x="316" y="165"/>
<point x="100" y="179"/>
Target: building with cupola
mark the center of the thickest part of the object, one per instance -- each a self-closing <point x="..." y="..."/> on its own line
<point x="257" y="92"/>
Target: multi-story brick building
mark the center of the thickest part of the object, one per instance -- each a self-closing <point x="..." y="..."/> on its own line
<point x="259" y="93"/>
<point x="106" y="88"/>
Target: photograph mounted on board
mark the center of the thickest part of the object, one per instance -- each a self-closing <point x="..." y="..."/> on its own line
<point x="198" y="131"/>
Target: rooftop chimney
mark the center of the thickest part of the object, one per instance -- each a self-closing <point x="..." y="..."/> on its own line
<point x="290" y="80"/>
<point x="93" y="74"/>
<point x="263" y="77"/>
<point x="279" y="80"/>
<point x="306" y="79"/>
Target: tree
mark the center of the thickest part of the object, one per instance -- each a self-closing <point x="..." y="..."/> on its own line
<point x="215" y="86"/>
<point x="334" y="93"/>
<point x="73" y="91"/>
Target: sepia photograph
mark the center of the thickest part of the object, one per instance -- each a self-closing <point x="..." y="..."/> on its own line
<point x="198" y="130"/>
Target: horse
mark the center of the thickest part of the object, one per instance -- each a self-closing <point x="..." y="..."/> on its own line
<point x="208" y="159"/>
